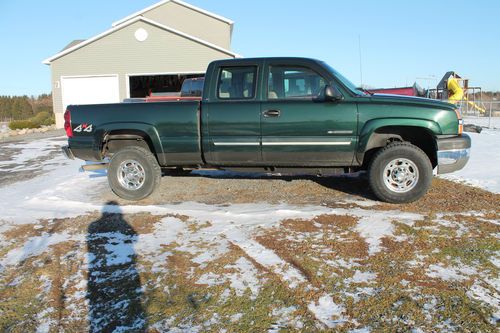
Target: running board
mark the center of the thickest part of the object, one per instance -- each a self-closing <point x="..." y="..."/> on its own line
<point x="329" y="171"/>
<point x="94" y="167"/>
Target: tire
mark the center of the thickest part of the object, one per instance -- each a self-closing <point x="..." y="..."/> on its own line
<point x="400" y="173"/>
<point x="134" y="173"/>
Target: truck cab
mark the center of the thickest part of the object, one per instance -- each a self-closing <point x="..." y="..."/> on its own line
<point x="273" y="112"/>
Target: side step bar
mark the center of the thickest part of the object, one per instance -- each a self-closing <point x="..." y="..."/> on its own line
<point x="94" y="167"/>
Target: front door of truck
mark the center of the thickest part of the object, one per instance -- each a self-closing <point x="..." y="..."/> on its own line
<point x="297" y="130"/>
<point x="233" y="118"/>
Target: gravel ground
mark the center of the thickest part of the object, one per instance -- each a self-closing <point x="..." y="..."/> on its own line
<point x="221" y="188"/>
<point x="33" y="136"/>
<point x="13" y="170"/>
<point x="227" y="188"/>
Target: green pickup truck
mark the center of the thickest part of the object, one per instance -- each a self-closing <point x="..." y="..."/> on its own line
<point x="273" y="115"/>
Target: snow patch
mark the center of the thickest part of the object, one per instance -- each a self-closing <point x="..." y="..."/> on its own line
<point x="362" y="277"/>
<point x="327" y="311"/>
<point x="165" y="232"/>
<point x="375" y="225"/>
<point x="245" y="277"/>
<point x="490" y="296"/>
<point x="267" y="258"/>
<point x="118" y="248"/>
<point x="35" y="246"/>
<point x="342" y="263"/>
<point x="44" y="322"/>
<point x="484" y="156"/>
<point x="284" y="319"/>
<point x="236" y="317"/>
<point x="450" y="273"/>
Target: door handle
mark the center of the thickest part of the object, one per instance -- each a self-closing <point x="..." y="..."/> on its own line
<point x="271" y="113"/>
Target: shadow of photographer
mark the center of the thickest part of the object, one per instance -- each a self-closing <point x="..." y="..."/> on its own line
<point x="114" y="288"/>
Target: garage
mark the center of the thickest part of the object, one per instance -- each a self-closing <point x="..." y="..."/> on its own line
<point x="90" y="90"/>
<point x="151" y="51"/>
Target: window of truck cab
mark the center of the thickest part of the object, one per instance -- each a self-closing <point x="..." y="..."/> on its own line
<point x="237" y="83"/>
<point x="294" y="82"/>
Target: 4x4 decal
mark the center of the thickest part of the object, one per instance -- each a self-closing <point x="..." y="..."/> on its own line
<point x="83" y="128"/>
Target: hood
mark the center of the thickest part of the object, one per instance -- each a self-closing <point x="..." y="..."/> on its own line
<point x="410" y="100"/>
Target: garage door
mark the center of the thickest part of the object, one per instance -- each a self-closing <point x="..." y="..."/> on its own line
<point x="90" y="90"/>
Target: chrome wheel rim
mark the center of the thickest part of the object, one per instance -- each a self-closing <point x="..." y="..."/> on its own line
<point x="400" y="175"/>
<point x="131" y="175"/>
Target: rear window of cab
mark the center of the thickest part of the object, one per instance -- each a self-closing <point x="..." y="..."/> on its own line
<point x="236" y="83"/>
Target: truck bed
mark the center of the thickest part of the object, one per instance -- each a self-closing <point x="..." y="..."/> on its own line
<point x="172" y="126"/>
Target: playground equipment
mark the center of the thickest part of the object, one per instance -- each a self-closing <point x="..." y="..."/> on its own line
<point x="455" y="89"/>
<point x="452" y="88"/>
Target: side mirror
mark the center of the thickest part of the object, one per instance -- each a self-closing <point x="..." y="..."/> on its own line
<point x="332" y="94"/>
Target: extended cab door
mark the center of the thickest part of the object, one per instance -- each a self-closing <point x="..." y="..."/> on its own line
<point x="297" y="130"/>
<point x="231" y="116"/>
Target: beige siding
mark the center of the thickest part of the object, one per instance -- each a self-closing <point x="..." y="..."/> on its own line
<point x="192" y="23"/>
<point x="120" y="53"/>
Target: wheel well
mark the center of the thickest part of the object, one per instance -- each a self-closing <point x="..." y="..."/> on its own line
<point x="116" y="140"/>
<point x="418" y="136"/>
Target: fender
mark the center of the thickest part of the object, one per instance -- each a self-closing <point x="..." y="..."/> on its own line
<point x="366" y="135"/>
<point x="148" y="129"/>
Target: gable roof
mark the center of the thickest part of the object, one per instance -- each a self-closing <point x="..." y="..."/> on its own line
<point x="182" y="3"/>
<point x="129" y="22"/>
<point x="73" y="43"/>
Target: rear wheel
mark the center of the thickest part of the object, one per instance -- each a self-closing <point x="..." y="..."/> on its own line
<point x="400" y="173"/>
<point x="134" y="173"/>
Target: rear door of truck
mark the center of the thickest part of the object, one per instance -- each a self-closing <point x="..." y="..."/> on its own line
<point x="231" y="115"/>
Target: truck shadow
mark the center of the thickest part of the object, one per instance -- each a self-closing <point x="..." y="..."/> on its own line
<point x="114" y="289"/>
<point x="356" y="184"/>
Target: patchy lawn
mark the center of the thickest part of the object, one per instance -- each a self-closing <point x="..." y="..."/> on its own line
<point x="353" y="265"/>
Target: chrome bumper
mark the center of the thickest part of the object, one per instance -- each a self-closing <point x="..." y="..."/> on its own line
<point x="453" y="153"/>
<point x="68" y="153"/>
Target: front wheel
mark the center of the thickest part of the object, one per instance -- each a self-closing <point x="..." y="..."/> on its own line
<point x="134" y="173"/>
<point x="400" y="173"/>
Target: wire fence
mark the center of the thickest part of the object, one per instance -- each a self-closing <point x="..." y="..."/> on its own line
<point x="481" y="113"/>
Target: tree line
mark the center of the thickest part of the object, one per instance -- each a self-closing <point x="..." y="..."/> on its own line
<point x="24" y="107"/>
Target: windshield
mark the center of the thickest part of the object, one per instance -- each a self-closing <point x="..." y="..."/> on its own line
<point x="345" y="81"/>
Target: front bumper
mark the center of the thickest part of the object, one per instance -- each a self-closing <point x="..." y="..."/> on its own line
<point x="67" y="152"/>
<point x="453" y="153"/>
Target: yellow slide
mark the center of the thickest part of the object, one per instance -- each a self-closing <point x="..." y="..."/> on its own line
<point x="456" y="94"/>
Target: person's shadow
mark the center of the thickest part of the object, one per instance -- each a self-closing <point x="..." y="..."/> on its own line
<point x="114" y="289"/>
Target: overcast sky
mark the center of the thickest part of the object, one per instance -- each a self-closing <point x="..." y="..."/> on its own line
<point x="401" y="41"/>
